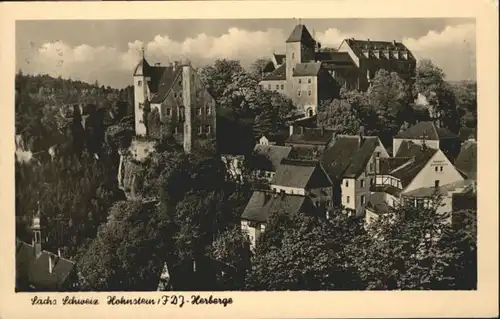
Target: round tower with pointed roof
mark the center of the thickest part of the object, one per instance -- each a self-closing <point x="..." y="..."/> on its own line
<point x="141" y="93"/>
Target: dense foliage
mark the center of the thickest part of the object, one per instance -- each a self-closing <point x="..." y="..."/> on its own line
<point x="186" y="214"/>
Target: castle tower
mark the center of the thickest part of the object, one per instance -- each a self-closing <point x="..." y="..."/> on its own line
<point x="300" y="47"/>
<point x="141" y="93"/>
<point x="37" y="232"/>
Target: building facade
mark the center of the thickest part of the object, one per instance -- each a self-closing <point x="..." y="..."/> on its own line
<point x="308" y="74"/>
<point x="173" y="100"/>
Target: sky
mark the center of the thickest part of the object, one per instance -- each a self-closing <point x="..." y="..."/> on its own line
<point x="108" y="50"/>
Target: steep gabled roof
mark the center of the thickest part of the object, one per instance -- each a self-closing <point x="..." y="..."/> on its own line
<point x="421" y="156"/>
<point x="262" y="203"/>
<point x="301" y="34"/>
<point x="165" y="84"/>
<point x="347" y="157"/>
<point x="467" y="159"/>
<point x="300" y="174"/>
<point x="389" y="164"/>
<point x="34" y="270"/>
<point x="427" y="128"/>
<point x="268" y="157"/>
<point x="278" y="74"/>
<point x="307" y="69"/>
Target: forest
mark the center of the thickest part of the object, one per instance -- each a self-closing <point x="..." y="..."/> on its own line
<point x="192" y="226"/>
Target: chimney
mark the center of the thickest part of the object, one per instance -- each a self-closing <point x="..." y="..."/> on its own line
<point x="394" y="42"/>
<point x="290" y="128"/>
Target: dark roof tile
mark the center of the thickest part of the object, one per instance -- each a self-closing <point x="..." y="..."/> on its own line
<point x="35" y="270"/>
<point x="358" y="46"/>
<point x="268" y="157"/>
<point x="262" y="203"/>
<point x="277" y="75"/>
<point x="312" y="136"/>
<point x="427" y="128"/>
<point x="300" y="173"/>
<point x="347" y="157"/>
<point x="307" y="69"/>
<point x="301" y="34"/>
<point x="467" y="159"/>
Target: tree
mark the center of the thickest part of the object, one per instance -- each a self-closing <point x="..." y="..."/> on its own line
<point x="258" y="67"/>
<point x="231" y="251"/>
<point x="311" y="257"/>
<point x="410" y="248"/>
<point x="390" y="98"/>
<point x="128" y="253"/>
<point x="430" y="82"/>
<point x="339" y="115"/>
<point x="220" y="74"/>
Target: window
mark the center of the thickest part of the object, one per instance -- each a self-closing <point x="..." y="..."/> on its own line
<point x="377" y="154"/>
<point x="207" y="128"/>
<point x="308" y="80"/>
<point x="298" y="92"/>
<point x="282" y="87"/>
<point x="139" y="83"/>
<point x="293" y="55"/>
<point x="208" y="110"/>
<point x="269" y="86"/>
<point x="363" y="199"/>
<point x="169" y="111"/>
<point x="372" y="181"/>
<point x="436" y="168"/>
<point x="362" y="183"/>
<point x="347" y="199"/>
<point x="197" y="94"/>
<point x="436" y="183"/>
<point x="346" y="183"/>
<point x="300" y="81"/>
<point x="198" y="110"/>
<point x="441" y="168"/>
<point x="371" y="167"/>
<point x="141" y="105"/>
<point x="277" y="86"/>
<point x="309" y="92"/>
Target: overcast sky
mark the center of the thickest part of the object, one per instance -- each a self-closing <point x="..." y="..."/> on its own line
<point x="107" y="51"/>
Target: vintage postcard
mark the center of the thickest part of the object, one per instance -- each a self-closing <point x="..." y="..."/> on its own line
<point x="249" y="159"/>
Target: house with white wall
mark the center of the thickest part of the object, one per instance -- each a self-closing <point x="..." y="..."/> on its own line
<point x="350" y="163"/>
<point x="297" y="185"/>
<point x="262" y="204"/>
<point x="415" y="175"/>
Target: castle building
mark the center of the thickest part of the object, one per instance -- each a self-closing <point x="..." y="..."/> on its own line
<point x="172" y="100"/>
<point x="308" y="74"/>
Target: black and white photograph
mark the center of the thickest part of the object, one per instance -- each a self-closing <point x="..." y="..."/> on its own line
<point x="160" y="161"/>
<point x="246" y="155"/>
